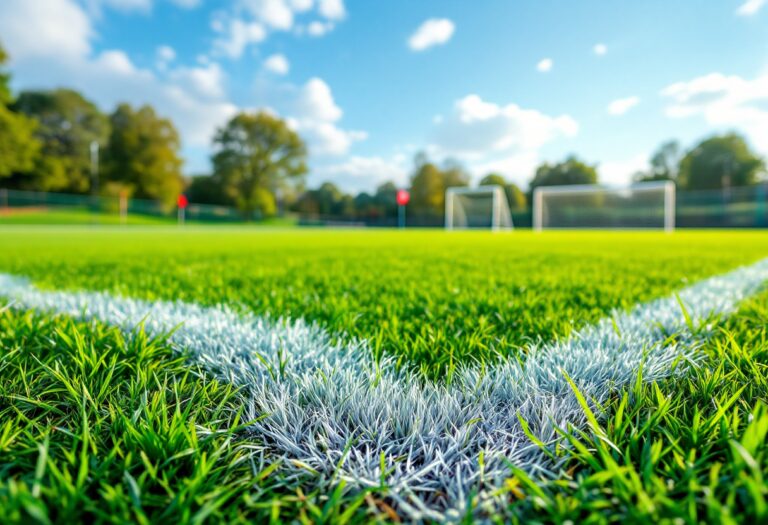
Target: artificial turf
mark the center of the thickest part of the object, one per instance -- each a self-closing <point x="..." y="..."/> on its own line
<point x="97" y="426"/>
<point x="431" y="298"/>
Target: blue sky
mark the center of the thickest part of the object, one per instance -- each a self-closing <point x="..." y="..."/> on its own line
<point x="500" y="85"/>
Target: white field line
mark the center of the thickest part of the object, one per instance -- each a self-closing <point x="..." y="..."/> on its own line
<point x="333" y="409"/>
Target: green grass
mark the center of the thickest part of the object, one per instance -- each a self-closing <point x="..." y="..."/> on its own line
<point x="689" y="450"/>
<point x="432" y="299"/>
<point x="97" y="427"/>
<point x="94" y="427"/>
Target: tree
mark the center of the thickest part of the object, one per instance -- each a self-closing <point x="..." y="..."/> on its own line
<point x="206" y="189"/>
<point x="570" y="171"/>
<point x="515" y="196"/>
<point x="386" y="199"/>
<point x="429" y="182"/>
<point x="18" y="147"/>
<point x="142" y="155"/>
<point x="664" y="164"/>
<point x="68" y="124"/>
<point x="720" y="162"/>
<point x="256" y="154"/>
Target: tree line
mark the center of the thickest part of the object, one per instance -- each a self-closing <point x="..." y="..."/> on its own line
<point x="259" y="163"/>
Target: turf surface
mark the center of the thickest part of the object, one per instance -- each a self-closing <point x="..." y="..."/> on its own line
<point x="431" y="298"/>
<point x="97" y="427"/>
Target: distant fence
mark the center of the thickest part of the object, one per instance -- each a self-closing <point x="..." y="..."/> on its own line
<point x="743" y="207"/>
<point x="45" y="207"/>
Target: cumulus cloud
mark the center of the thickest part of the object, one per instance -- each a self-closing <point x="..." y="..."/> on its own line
<point x="433" y="32"/>
<point x="723" y="102"/>
<point x="750" y="7"/>
<point x="478" y="127"/>
<point x="277" y="64"/>
<point x="620" y="171"/>
<point x="251" y="21"/>
<point x="600" y="49"/>
<point x="495" y="137"/>
<point x="313" y="112"/>
<point x="235" y="35"/>
<point x="45" y="29"/>
<point x="165" y="55"/>
<point x="317" y="28"/>
<point x="544" y="65"/>
<point x="332" y="9"/>
<point x="622" y="105"/>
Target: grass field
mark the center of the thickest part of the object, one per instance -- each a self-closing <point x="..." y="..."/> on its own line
<point x="99" y="424"/>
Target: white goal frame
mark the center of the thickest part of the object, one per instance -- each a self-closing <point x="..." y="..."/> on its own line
<point x="497" y="208"/>
<point x="667" y="186"/>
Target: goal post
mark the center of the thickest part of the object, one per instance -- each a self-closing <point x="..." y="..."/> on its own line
<point x="642" y="205"/>
<point x="480" y="207"/>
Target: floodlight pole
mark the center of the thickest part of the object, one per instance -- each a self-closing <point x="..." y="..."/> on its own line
<point x="94" y="167"/>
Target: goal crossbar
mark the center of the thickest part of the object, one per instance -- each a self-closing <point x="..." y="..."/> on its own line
<point x="499" y="214"/>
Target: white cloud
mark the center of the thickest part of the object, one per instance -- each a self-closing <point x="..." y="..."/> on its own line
<point x="724" y="102"/>
<point x="277" y="64"/>
<point x="364" y="173"/>
<point x="250" y="22"/>
<point x="600" y="49"/>
<point x="544" y="65"/>
<point x="313" y="113"/>
<point x="494" y="137"/>
<point x="165" y="55"/>
<point x="277" y="14"/>
<point x="300" y="6"/>
<point x="432" y="32"/>
<point x="45" y="28"/>
<point x="622" y="105"/>
<point x="317" y="28"/>
<point x="206" y="81"/>
<point x="620" y="171"/>
<point x="236" y="35"/>
<point x="750" y="7"/>
<point x="332" y="9"/>
<point x="315" y="102"/>
<point x="477" y="128"/>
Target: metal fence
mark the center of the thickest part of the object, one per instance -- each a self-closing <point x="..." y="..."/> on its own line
<point x="743" y="207"/>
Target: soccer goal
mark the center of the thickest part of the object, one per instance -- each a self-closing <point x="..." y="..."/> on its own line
<point x="643" y="205"/>
<point x="481" y="207"/>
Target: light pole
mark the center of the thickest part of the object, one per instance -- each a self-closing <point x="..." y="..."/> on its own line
<point x="94" y="168"/>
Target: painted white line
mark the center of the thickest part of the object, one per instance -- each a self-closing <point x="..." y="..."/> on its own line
<point x="329" y="404"/>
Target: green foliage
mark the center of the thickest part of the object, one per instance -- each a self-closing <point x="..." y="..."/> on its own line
<point x="143" y="154"/>
<point x="257" y="153"/>
<point x="720" y="162"/>
<point x="67" y="125"/>
<point x="515" y="196"/>
<point x="570" y="171"/>
<point x="664" y="164"/>
<point x="429" y="182"/>
<point x="18" y="147"/>
<point x="472" y="295"/>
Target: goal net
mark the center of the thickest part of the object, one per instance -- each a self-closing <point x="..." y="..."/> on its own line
<point x="481" y="207"/>
<point x="644" y="205"/>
